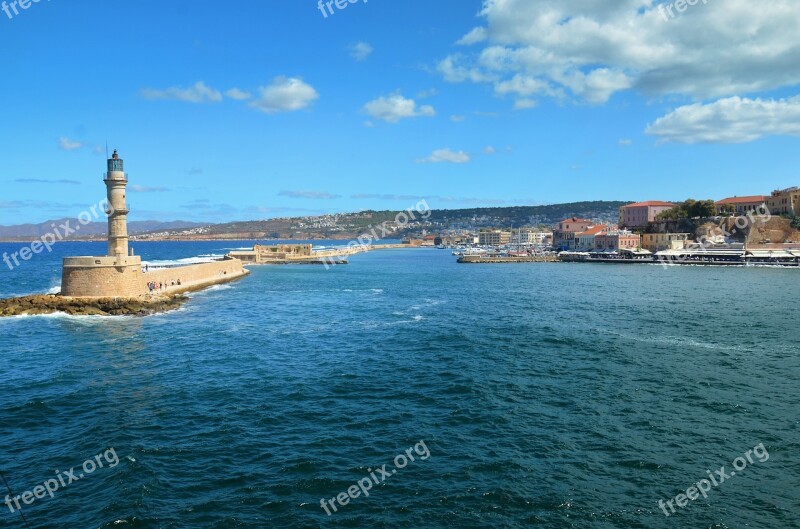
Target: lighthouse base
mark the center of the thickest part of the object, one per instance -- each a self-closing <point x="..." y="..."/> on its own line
<point x="100" y="277"/>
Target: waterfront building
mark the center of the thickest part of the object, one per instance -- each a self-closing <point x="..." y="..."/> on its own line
<point x="531" y="237"/>
<point x="785" y="202"/>
<point x="427" y="242"/>
<point x="617" y="240"/>
<point x="574" y="225"/>
<point x="564" y="234"/>
<point x="262" y="254"/>
<point x="741" y="205"/>
<point x="638" y="215"/>
<point x="462" y="239"/>
<point x="656" y="242"/>
<point x="494" y="237"/>
<point x="585" y="240"/>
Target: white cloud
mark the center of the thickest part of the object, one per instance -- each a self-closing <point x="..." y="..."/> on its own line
<point x="456" y="118"/>
<point x="522" y="85"/>
<point x="489" y="150"/>
<point x="315" y="195"/>
<point x="524" y="104"/>
<point x="624" y="142"/>
<point x="68" y="144"/>
<point x="592" y="50"/>
<point x="597" y="86"/>
<point x="425" y="94"/>
<point x="453" y="71"/>
<point x="46" y="181"/>
<point x="197" y="93"/>
<point x="395" y="107"/>
<point x="446" y="155"/>
<point x="384" y="196"/>
<point x="237" y="94"/>
<point x="147" y="189"/>
<point x="359" y="51"/>
<point x="285" y="95"/>
<point x="730" y="120"/>
<point x="473" y="37"/>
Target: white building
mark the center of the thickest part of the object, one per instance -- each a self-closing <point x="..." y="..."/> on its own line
<point x="530" y="237"/>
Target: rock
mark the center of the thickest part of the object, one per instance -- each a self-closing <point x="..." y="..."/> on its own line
<point x="48" y="304"/>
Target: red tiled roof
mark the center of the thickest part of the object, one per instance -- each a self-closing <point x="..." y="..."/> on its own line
<point x="656" y="203"/>
<point x="743" y="200"/>
<point x="595" y="230"/>
<point x="575" y="219"/>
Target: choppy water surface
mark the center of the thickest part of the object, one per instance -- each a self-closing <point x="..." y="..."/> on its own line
<point x="548" y="395"/>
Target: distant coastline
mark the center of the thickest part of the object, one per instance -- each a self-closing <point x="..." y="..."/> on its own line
<point x="333" y="227"/>
<point x="227" y="237"/>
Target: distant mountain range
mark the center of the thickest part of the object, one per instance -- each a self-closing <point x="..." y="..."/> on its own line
<point x="505" y="217"/>
<point x="498" y="217"/>
<point x="334" y="226"/>
<point x="92" y="229"/>
<point x="348" y="225"/>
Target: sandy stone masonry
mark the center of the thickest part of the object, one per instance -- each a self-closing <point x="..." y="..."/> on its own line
<point x="120" y="273"/>
<point x="100" y="277"/>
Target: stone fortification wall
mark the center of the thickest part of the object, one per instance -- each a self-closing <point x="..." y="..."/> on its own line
<point x="99" y="277"/>
<point x="193" y="277"/>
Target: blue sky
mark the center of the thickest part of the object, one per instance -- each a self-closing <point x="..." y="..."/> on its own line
<point x="256" y="109"/>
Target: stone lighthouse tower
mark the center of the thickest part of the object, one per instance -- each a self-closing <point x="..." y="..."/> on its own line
<point x="119" y="274"/>
<point x="116" y="274"/>
<point x="116" y="182"/>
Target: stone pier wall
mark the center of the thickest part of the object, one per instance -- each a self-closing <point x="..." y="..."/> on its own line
<point x="193" y="277"/>
<point x="102" y="277"/>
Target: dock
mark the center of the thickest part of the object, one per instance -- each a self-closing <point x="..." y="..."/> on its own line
<point x="479" y="259"/>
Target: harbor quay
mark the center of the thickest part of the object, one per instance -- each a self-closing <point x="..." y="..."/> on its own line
<point x="479" y="259"/>
<point x="282" y="254"/>
<point x="759" y="230"/>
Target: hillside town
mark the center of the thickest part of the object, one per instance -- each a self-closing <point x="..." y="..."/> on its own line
<point x="758" y="229"/>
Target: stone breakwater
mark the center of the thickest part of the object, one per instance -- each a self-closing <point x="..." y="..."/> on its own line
<point x="51" y="304"/>
<point x="104" y="277"/>
<point x="171" y="297"/>
<point x="478" y="259"/>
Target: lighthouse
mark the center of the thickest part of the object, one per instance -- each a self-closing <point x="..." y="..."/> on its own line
<point x="119" y="274"/>
<point x="117" y="212"/>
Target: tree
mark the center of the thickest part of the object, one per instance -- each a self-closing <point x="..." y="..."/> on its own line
<point x="690" y="209"/>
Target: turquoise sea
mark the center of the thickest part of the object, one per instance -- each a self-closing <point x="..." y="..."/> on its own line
<point x="545" y="395"/>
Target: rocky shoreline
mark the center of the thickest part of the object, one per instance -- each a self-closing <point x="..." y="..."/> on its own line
<point x="51" y="304"/>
